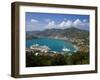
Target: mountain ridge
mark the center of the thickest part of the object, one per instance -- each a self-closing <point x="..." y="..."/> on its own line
<point x="69" y="32"/>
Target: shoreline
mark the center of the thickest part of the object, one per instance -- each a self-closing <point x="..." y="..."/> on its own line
<point x="74" y="46"/>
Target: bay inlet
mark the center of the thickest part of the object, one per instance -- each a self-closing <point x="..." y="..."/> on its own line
<point x="54" y="44"/>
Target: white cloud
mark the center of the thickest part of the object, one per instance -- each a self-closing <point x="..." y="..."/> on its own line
<point x="51" y="24"/>
<point x="65" y="24"/>
<point x="77" y="22"/>
<point x="34" y="25"/>
<point x="81" y="24"/>
<point x="84" y="20"/>
<point x="31" y="24"/>
<point x="62" y="24"/>
<point x="34" y="21"/>
<point x="68" y="23"/>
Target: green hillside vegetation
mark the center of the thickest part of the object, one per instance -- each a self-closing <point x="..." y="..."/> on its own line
<point x="33" y="60"/>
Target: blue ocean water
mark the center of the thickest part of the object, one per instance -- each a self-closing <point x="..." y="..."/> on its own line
<point x="53" y="44"/>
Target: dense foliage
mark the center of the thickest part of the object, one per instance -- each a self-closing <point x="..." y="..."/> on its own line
<point x="33" y="60"/>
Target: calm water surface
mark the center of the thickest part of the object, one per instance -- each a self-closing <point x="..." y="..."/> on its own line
<point x="53" y="44"/>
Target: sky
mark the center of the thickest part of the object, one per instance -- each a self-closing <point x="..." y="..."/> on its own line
<point x="41" y="21"/>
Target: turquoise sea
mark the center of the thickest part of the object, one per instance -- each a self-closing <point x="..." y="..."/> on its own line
<point x="53" y="44"/>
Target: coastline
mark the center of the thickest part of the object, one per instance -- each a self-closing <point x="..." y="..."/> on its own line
<point x="64" y="49"/>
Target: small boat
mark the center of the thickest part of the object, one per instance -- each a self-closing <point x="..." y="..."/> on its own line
<point x="36" y="45"/>
<point x="36" y="54"/>
<point x="65" y="49"/>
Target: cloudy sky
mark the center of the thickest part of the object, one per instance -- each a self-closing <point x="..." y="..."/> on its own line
<point x="41" y="21"/>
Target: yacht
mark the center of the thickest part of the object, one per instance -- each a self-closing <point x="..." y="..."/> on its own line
<point x="65" y="49"/>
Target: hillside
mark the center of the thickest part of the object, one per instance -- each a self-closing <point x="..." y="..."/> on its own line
<point x="68" y="33"/>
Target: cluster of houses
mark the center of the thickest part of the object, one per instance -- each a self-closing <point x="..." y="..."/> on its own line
<point x="80" y="43"/>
